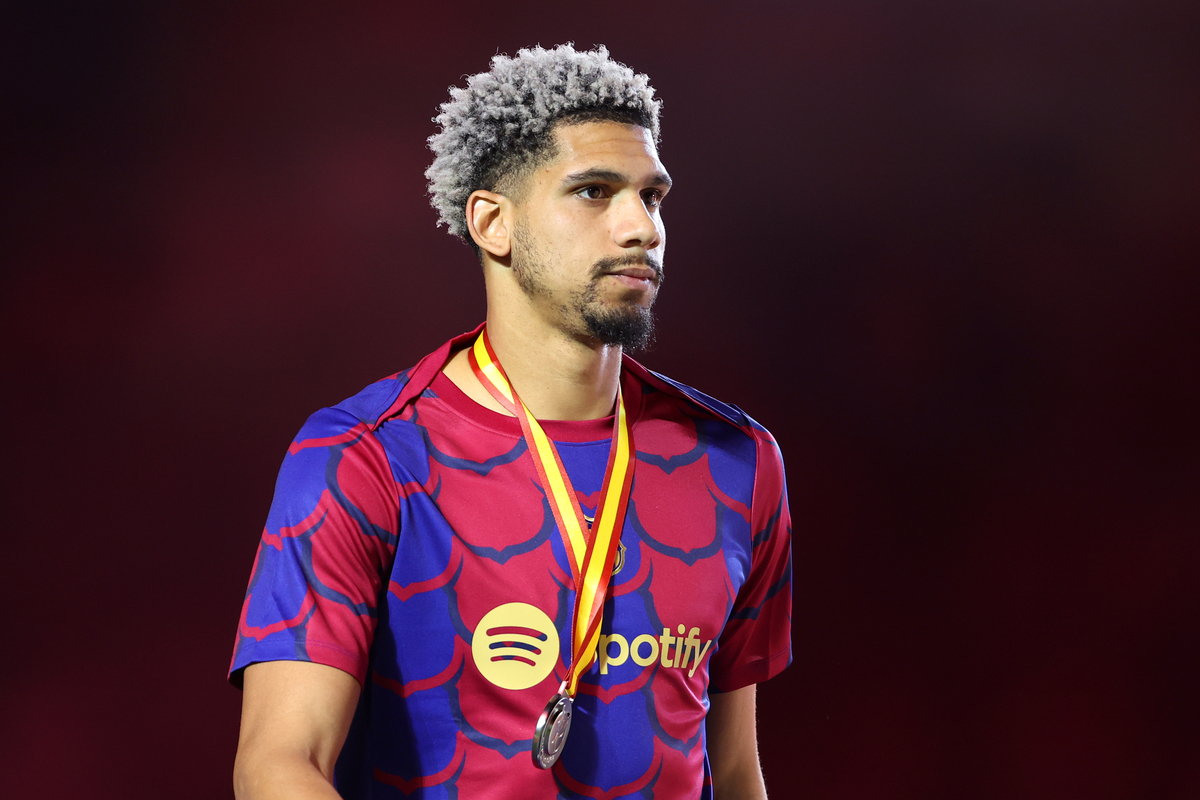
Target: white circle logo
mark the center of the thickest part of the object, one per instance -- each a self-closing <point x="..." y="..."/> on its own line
<point x="515" y="646"/>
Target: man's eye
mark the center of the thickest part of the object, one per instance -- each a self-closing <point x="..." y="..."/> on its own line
<point x="652" y="198"/>
<point x="592" y="192"/>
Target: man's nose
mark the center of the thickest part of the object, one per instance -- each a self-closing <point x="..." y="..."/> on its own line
<point x="635" y="225"/>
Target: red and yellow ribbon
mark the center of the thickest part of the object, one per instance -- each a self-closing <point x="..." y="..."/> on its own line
<point x="591" y="556"/>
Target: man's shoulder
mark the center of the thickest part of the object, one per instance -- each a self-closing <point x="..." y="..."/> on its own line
<point x="387" y="398"/>
<point x="373" y="402"/>
<point x="727" y="412"/>
<point x="363" y="410"/>
<point x="735" y="443"/>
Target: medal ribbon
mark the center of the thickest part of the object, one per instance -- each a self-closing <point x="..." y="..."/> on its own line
<point x="591" y="557"/>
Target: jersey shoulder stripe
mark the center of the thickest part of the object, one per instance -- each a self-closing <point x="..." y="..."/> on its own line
<point x="370" y="404"/>
<point x="726" y="411"/>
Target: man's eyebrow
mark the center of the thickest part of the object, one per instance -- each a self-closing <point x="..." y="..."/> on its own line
<point x="612" y="176"/>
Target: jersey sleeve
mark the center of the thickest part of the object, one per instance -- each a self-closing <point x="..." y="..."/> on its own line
<point x="756" y="643"/>
<point x="328" y="543"/>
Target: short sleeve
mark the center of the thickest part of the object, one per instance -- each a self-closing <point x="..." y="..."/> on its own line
<point x="328" y="543"/>
<point x="756" y="642"/>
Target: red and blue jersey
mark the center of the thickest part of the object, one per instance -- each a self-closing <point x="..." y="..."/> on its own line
<point x="411" y="545"/>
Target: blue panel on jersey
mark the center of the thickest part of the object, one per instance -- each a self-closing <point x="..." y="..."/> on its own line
<point x="281" y="593"/>
<point x="731" y="459"/>
<point x="299" y="487"/>
<point x="632" y="555"/>
<point x="603" y="754"/>
<point x="405" y="451"/>
<point x="628" y="613"/>
<point x="585" y="463"/>
<point x="421" y="558"/>
<point x="425" y="612"/>
<point x="424" y="717"/>
<point x="372" y="401"/>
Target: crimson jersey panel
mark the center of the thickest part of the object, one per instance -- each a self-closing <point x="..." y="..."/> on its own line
<point x="419" y="553"/>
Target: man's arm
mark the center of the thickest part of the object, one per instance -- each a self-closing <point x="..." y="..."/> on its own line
<point x="295" y="716"/>
<point x="733" y="745"/>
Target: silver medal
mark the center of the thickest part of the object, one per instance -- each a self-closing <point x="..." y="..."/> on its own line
<point x="551" y="732"/>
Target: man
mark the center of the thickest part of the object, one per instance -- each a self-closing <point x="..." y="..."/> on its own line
<point x="527" y="536"/>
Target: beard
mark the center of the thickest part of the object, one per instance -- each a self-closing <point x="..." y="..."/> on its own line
<point x="629" y="326"/>
<point x="623" y="323"/>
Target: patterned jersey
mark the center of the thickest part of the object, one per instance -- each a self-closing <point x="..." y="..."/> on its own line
<point x="411" y="545"/>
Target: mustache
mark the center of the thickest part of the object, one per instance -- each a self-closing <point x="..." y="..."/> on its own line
<point x="611" y="263"/>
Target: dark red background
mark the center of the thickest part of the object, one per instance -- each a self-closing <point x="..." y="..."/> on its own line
<point x="949" y="252"/>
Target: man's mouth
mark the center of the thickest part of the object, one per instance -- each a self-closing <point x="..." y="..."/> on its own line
<point x="640" y="273"/>
<point x="634" y="268"/>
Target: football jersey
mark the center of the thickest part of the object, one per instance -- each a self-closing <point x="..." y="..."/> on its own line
<point x="411" y="545"/>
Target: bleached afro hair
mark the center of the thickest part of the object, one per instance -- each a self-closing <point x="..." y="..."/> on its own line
<point x="501" y="125"/>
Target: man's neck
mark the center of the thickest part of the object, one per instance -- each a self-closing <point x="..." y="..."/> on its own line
<point x="557" y="377"/>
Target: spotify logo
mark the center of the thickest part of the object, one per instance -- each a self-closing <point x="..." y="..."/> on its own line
<point x="515" y="646"/>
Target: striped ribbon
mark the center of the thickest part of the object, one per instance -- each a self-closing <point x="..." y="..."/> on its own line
<point x="591" y="557"/>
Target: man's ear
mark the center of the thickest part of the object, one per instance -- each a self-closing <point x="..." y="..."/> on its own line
<point x="489" y="219"/>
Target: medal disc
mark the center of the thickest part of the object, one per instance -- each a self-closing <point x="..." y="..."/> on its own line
<point x="551" y="732"/>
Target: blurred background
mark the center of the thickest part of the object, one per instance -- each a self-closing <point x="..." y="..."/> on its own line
<point x="948" y="252"/>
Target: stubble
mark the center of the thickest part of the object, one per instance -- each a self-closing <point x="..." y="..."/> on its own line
<point x="626" y="324"/>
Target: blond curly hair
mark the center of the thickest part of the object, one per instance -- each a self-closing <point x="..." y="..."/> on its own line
<point x="500" y="126"/>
